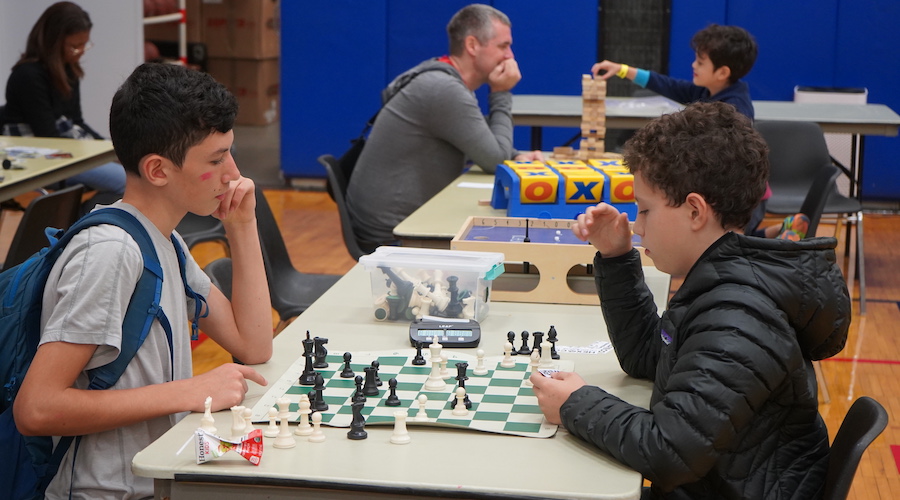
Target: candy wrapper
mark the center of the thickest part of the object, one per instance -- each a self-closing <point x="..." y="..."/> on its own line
<point x="210" y="447"/>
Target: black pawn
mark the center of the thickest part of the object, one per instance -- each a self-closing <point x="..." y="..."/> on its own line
<point x="551" y="337"/>
<point x="370" y="388"/>
<point x="320" y="352"/>
<point x="525" y="350"/>
<point x="392" y="399"/>
<point x="347" y="372"/>
<point x="320" y="404"/>
<point x="376" y="365"/>
<point x="358" y="395"/>
<point x="461" y="378"/>
<point x="537" y="338"/>
<point x="511" y="337"/>
<point x="358" y="424"/>
<point x="419" y="359"/>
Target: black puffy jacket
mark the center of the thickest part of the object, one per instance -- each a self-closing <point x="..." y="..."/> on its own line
<point x="734" y="410"/>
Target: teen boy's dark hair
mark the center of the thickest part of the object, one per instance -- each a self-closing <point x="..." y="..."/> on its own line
<point x="730" y="46"/>
<point x="710" y="149"/>
<point x="166" y="109"/>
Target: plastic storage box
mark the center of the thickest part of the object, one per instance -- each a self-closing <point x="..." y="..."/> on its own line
<point x="409" y="283"/>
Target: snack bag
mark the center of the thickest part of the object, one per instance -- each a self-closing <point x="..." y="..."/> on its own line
<point x="209" y="446"/>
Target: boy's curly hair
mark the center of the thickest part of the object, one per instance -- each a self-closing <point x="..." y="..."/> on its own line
<point x="710" y="149"/>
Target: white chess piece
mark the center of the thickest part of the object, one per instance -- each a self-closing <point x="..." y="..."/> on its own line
<point x="435" y="350"/>
<point x="284" y="439"/>
<point x="422" y="415"/>
<point x="480" y="369"/>
<point x="206" y="422"/>
<point x="435" y="382"/>
<point x="468" y="308"/>
<point x="272" y="430"/>
<point x="460" y="409"/>
<point x="444" y="371"/>
<point x="238" y="424"/>
<point x="316" y="436"/>
<point x="248" y="420"/>
<point x="508" y="361"/>
<point x="400" y="435"/>
<point x="546" y="358"/>
<point x="535" y="363"/>
<point x="303" y="429"/>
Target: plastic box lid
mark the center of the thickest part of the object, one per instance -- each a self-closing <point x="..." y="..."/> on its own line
<point x="489" y="264"/>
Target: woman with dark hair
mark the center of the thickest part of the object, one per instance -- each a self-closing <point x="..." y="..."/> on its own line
<point x="43" y="96"/>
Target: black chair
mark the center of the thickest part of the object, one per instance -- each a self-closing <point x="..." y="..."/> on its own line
<point x="865" y="420"/>
<point x="292" y="291"/>
<point x="338" y="188"/>
<point x="797" y="153"/>
<point x="197" y="229"/>
<point x="219" y="272"/>
<point x="59" y="209"/>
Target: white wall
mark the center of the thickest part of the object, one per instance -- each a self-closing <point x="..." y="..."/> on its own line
<point x="118" y="36"/>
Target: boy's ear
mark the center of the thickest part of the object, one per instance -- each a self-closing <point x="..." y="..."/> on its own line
<point x="154" y="168"/>
<point x="723" y="73"/>
<point x="701" y="211"/>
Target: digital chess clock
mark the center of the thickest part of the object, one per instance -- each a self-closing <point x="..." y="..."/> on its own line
<point x="449" y="332"/>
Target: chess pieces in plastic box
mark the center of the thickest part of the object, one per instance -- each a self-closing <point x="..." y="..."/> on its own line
<point x="410" y="283"/>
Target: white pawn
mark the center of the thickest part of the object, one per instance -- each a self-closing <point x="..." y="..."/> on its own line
<point x="303" y="429"/>
<point x="422" y="415"/>
<point x="272" y="430"/>
<point x="535" y="363"/>
<point x="507" y="361"/>
<point x="546" y="358"/>
<point x="206" y="422"/>
<point x="480" y="369"/>
<point x="316" y="436"/>
<point x="238" y="424"/>
<point x="460" y="409"/>
<point x="400" y="435"/>
<point x="284" y="439"/>
<point x="248" y="420"/>
<point x="444" y="371"/>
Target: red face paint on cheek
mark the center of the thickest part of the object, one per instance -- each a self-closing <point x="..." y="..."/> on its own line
<point x="206" y="176"/>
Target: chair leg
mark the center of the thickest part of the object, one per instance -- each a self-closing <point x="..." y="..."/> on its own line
<point x="861" y="258"/>
<point x="820" y="380"/>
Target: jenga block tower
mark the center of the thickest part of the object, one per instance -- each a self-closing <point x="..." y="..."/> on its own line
<point x="593" y="117"/>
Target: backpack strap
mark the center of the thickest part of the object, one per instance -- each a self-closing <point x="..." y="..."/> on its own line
<point x="199" y="301"/>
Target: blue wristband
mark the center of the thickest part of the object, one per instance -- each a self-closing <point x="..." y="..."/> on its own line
<point x="642" y="77"/>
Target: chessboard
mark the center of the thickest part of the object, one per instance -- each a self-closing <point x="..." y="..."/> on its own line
<point x="502" y="400"/>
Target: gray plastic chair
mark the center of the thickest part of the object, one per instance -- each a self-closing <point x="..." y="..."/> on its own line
<point x="865" y="420"/>
<point x="337" y="185"/>
<point x="58" y="209"/>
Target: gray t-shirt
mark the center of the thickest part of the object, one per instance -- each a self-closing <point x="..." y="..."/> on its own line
<point x="420" y="143"/>
<point x="85" y="300"/>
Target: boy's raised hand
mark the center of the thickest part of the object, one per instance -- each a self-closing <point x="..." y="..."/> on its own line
<point x="226" y="384"/>
<point x="605" y="228"/>
<point x="238" y="203"/>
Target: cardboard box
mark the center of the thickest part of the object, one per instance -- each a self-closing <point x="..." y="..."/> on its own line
<point x="245" y="29"/>
<point x="168" y="32"/>
<point x="409" y="283"/>
<point x="255" y="84"/>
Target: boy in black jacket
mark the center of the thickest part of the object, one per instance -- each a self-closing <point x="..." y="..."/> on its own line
<point x="734" y="409"/>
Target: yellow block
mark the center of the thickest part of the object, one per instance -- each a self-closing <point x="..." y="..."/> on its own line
<point x="583" y="185"/>
<point x="538" y="183"/>
<point x="621" y="187"/>
<point x="612" y="164"/>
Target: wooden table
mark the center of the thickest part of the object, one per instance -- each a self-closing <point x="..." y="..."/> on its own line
<point x="41" y="172"/>
<point x="438" y="462"/>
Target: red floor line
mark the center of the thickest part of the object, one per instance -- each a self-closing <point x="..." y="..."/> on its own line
<point x="896" y="451"/>
<point x="861" y="360"/>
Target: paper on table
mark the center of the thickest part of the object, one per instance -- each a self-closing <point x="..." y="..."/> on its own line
<point x="477" y="185"/>
<point x="29" y="151"/>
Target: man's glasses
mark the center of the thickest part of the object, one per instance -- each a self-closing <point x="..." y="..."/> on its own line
<point x="77" y="50"/>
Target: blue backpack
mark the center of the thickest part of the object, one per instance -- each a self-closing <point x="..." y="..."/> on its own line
<point x="33" y="461"/>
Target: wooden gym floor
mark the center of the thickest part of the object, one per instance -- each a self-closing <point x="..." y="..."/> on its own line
<point x="868" y="366"/>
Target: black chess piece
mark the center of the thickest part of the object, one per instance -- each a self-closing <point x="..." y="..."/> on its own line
<point x="320" y="404"/>
<point x="358" y="424"/>
<point x="418" y="360"/>
<point x="454" y="307"/>
<point x="525" y="350"/>
<point x="308" y="377"/>
<point x="511" y="337"/>
<point x="536" y="339"/>
<point x="376" y="365"/>
<point x="370" y="388"/>
<point x="320" y="352"/>
<point x="347" y="372"/>
<point x="392" y="399"/>
<point x="358" y="395"/>
<point x="461" y="377"/>
<point x="552" y="338"/>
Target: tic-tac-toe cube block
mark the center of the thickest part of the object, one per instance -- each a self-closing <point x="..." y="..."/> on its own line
<point x="583" y="185"/>
<point x="537" y="186"/>
<point x="610" y="164"/>
<point x="621" y="187"/>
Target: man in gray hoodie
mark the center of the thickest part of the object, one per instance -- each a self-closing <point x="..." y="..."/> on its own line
<point x="431" y="125"/>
